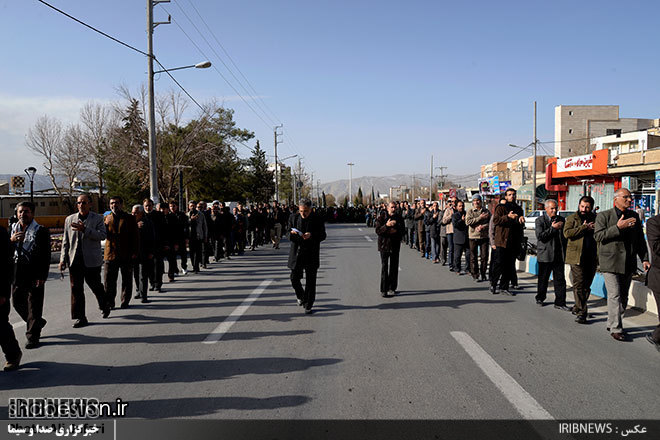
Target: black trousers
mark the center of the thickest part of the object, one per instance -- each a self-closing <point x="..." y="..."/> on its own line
<point x="29" y="304"/>
<point x="158" y="269"/>
<point x="504" y="267"/>
<point x="389" y="270"/>
<point x="196" y="254"/>
<point x="183" y="253"/>
<point x="78" y="275"/>
<point x="459" y="250"/>
<point x="308" y="294"/>
<point x="444" y="245"/>
<point x="8" y="340"/>
<point x="112" y="269"/>
<point x="656" y="333"/>
<point x="172" y="268"/>
<point x="142" y="269"/>
<point x="558" y="280"/>
<point x="583" y="275"/>
<point x="479" y="257"/>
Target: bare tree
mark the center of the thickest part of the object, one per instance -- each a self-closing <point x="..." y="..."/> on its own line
<point x="45" y="139"/>
<point x="98" y="124"/>
<point x="69" y="156"/>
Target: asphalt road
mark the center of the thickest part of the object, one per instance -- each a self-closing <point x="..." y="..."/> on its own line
<point x="231" y="342"/>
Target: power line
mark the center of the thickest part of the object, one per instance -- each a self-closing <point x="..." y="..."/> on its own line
<point x="93" y="28"/>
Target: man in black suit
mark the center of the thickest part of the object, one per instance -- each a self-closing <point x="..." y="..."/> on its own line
<point x="390" y="228"/>
<point x="653" y="280"/>
<point x="8" y="340"/>
<point x="551" y="245"/>
<point x="31" y="248"/>
<point x="306" y="232"/>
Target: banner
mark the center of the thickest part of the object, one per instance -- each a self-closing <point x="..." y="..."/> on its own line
<point x="577" y="163"/>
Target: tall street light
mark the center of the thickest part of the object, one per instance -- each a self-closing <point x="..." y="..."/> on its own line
<point x="293" y="189"/>
<point x="31" y="171"/>
<point x="151" y="127"/>
<point x="350" y="183"/>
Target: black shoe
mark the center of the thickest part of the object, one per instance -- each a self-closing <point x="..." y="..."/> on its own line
<point x="507" y="292"/>
<point x="80" y="323"/>
<point x="539" y="302"/>
<point x="515" y="286"/>
<point x="649" y="338"/>
<point x="13" y="364"/>
<point x="493" y="290"/>
<point x="484" y="278"/>
<point x="123" y="306"/>
<point x="299" y="301"/>
<point x="158" y="289"/>
<point x="564" y="308"/>
<point x="308" y="311"/>
<point x="391" y="292"/>
<point x="581" y="319"/>
<point x="152" y="288"/>
<point x="32" y="344"/>
<point x="106" y="313"/>
<point x="144" y="300"/>
<point x="137" y="296"/>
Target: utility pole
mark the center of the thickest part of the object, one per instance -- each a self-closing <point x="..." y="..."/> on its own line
<point x="277" y="165"/>
<point x="431" y="182"/>
<point x="413" y="187"/>
<point x="153" y="170"/>
<point x="311" y="193"/>
<point x="294" y="184"/>
<point x="442" y="175"/>
<point x="350" y="183"/>
<point x="534" y="165"/>
<point x="179" y="169"/>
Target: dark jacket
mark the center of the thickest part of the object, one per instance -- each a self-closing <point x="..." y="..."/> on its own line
<point x="147" y="244"/>
<point x="121" y="241"/>
<point x="39" y="259"/>
<point x="305" y="253"/>
<point x="460" y="228"/>
<point x="576" y="233"/>
<point x="618" y="249"/>
<point x="551" y="242"/>
<point x="653" y="235"/>
<point x="159" y="224"/>
<point x="408" y="217"/>
<point x="6" y="264"/>
<point x="433" y="224"/>
<point x="389" y="237"/>
<point x="508" y="232"/>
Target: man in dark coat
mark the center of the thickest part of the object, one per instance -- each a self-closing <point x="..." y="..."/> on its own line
<point x="390" y="228"/>
<point x="653" y="279"/>
<point x="8" y="340"/>
<point x="31" y="248"/>
<point x="306" y="232"/>
<point x="143" y="265"/>
<point x="551" y="245"/>
<point x="460" y="236"/>
<point x="161" y="243"/>
<point x="508" y="221"/>
<point x="620" y="239"/>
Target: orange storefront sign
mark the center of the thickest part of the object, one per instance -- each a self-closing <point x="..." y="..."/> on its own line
<point x="587" y="165"/>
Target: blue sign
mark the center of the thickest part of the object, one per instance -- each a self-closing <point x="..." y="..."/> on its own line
<point x="657" y="180"/>
<point x="504" y="185"/>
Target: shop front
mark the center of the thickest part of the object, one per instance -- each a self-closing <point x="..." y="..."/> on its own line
<point x="573" y="177"/>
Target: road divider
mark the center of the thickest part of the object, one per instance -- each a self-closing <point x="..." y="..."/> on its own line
<point x="234" y="316"/>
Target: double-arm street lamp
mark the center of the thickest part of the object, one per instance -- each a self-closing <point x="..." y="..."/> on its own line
<point x="31" y="171"/>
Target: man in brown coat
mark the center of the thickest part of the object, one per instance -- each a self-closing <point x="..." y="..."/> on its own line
<point x="121" y="246"/>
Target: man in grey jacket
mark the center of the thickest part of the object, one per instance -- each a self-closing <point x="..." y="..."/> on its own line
<point x="551" y="245"/>
<point x="618" y="232"/>
<point x="81" y="252"/>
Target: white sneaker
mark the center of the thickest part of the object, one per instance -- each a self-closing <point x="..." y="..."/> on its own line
<point x="184" y="272"/>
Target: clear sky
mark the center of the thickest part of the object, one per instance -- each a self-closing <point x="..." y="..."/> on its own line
<point x="383" y="84"/>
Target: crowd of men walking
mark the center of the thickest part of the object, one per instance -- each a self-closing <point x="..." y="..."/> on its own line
<point x="134" y="244"/>
<point x="486" y="243"/>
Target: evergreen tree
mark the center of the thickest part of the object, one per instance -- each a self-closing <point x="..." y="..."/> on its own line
<point x="261" y="179"/>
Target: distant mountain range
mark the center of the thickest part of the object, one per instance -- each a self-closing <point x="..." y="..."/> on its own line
<point x="381" y="185"/>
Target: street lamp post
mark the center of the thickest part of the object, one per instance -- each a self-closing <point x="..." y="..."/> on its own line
<point x="151" y="126"/>
<point x="31" y="171"/>
<point x="350" y="183"/>
<point x="281" y="161"/>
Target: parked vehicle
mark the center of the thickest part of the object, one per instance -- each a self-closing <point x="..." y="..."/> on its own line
<point x="530" y="220"/>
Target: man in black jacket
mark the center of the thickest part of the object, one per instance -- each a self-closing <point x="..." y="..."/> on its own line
<point x="306" y="232"/>
<point x="143" y="265"/>
<point x="7" y="337"/>
<point x="551" y="245"/>
<point x="31" y="250"/>
<point x="161" y="243"/>
<point x="390" y="228"/>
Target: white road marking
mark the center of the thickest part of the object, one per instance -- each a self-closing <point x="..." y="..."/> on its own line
<point x="524" y="403"/>
<point x="360" y="229"/>
<point x="18" y="324"/>
<point x="368" y="238"/>
<point x="224" y="327"/>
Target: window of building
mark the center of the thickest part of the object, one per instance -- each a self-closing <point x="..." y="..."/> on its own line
<point x="43" y="203"/>
<point x="570" y="113"/>
<point x="570" y="131"/>
<point x="611" y="131"/>
<point x="52" y="203"/>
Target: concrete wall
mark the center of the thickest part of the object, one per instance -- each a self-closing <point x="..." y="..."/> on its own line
<point x="571" y="122"/>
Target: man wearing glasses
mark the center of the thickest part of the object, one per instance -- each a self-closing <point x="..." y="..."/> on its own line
<point x="81" y="252"/>
<point x="618" y="232"/>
